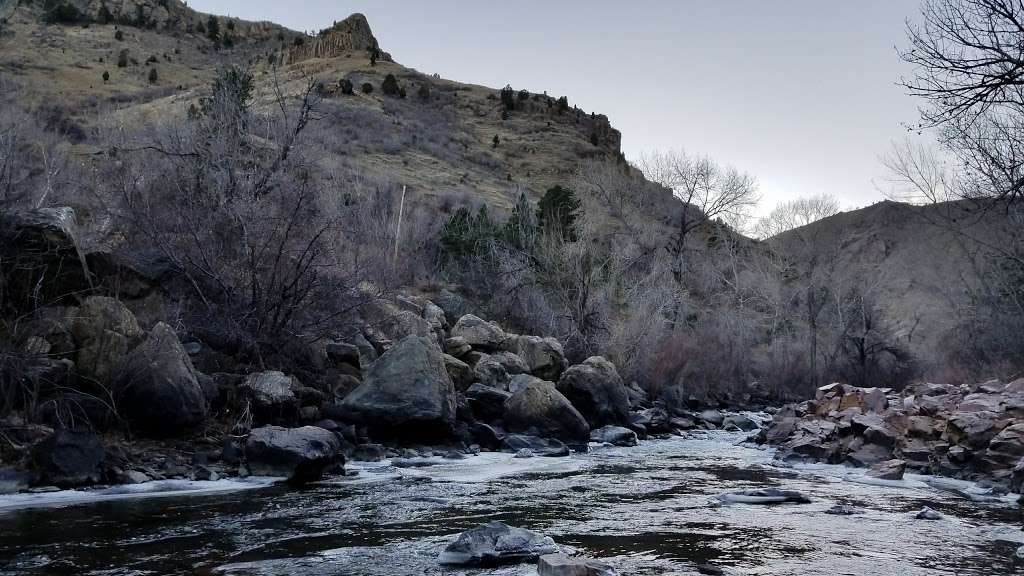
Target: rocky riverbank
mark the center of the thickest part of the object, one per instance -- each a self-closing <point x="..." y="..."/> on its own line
<point x="124" y="404"/>
<point x="972" y="432"/>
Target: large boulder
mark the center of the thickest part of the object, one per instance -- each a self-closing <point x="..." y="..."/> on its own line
<point x="1006" y="449"/>
<point x="105" y="330"/>
<point x="271" y="393"/>
<point x="596" y="390"/>
<point x="460" y="373"/>
<point x="299" y="454"/>
<point x="490" y="372"/>
<point x="540" y="409"/>
<point x="496" y="543"/>
<point x="888" y="470"/>
<point x="478" y="333"/>
<point x="974" y="429"/>
<point x="69" y="458"/>
<point x="159" y="390"/>
<point x="544" y="356"/>
<point x="407" y="391"/>
<point x="487" y="403"/>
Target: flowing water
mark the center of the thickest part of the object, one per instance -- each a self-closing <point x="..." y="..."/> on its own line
<point x="645" y="510"/>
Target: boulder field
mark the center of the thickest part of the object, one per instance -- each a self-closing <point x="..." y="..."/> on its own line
<point x="171" y="405"/>
<point x="973" y="432"/>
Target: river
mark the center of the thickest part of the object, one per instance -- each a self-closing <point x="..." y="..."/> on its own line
<point x="645" y="510"/>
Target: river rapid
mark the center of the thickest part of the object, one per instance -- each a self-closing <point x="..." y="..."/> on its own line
<point x="645" y="510"/>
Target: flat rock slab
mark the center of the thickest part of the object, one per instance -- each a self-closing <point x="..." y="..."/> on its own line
<point x="496" y="543"/>
<point x="562" y="565"/>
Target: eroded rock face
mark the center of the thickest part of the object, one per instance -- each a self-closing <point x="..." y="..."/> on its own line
<point x="596" y="390"/>
<point x="406" y="391"/>
<point x="299" y="454"/>
<point x="159" y="390"/>
<point x="540" y="409"/>
<point x="496" y="543"/>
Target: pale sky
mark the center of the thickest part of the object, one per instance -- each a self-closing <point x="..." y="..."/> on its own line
<point x="800" y="93"/>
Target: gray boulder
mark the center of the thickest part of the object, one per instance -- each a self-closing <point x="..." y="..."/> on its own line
<point x="490" y="372"/>
<point x="478" y="333"/>
<point x="69" y="459"/>
<point x="888" y="470"/>
<point x="299" y="454"/>
<point x="105" y="330"/>
<point x="544" y="356"/>
<point x="540" y="409"/>
<point x="512" y="363"/>
<point x="158" y="387"/>
<point x="615" y="435"/>
<point x="406" y="391"/>
<point x="713" y="417"/>
<point x="764" y="496"/>
<point x="740" y="422"/>
<point x="595" y="389"/>
<point x="271" y="391"/>
<point x="457" y="346"/>
<point x="461" y="374"/>
<point x="486" y="402"/>
<point x="496" y="543"/>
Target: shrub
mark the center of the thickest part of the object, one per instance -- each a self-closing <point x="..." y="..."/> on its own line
<point x="119" y="36"/>
<point x="390" y="86"/>
<point x="213" y="29"/>
<point x="524" y="95"/>
<point x="423" y="92"/>
<point x="346" y="86"/>
<point x="63" y="13"/>
<point x="367" y="88"/>
<point x="122" y="58"/>
<point x="496" y="141"/>
<point x="153" y="76"/>
<point x="106" y="76"/>
<point x="563" y="105"/>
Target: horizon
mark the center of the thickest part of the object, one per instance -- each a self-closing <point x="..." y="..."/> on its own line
<point x="752" y="107"/>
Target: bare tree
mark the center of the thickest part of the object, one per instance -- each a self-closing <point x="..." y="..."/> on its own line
<point x="708" y="191"/>
<point x="969" y="69"/>
<point x="795" y="214"/>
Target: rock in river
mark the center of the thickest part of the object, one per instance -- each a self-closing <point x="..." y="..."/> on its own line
<point x="562" y="565"/>
<point x="615" y="435"/>
<point x="300" y="454"/>
<point x="496" y="543"/>
<point x="764" y="496"/>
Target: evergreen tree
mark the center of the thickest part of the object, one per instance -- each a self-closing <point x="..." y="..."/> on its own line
<point x="521" y="227"/>
<point x="508" y="97"/>
<point x="153" y="76"/>
<point x="557" y="213"/>
<point x="213" y="29"/>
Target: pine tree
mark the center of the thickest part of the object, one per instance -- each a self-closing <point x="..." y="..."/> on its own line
<point x="213" y="29"/>
<point x="557" y="213"/>
<point x="521" y="227"/>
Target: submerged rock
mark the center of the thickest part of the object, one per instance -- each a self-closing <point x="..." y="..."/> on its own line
<point x="537" y="446"/>
<point x="496" y="543"/>
<point x="299" y="454"/>
<point x="843" y="510"/>
<point x="764" y="496"/>
<point x="562" y="565"/>
<point x="927" y="513"/>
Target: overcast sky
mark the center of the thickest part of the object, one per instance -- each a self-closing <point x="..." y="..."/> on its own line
<point x="800" y="93"/>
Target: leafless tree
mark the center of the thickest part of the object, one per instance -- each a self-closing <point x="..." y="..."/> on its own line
<point x="796" y="214"/>
<point x="969" y="70"/>
<point x="708" y="191"/>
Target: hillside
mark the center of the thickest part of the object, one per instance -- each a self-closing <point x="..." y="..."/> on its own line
<point x="437" y="137"/>
<point x="917" y="261"/>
